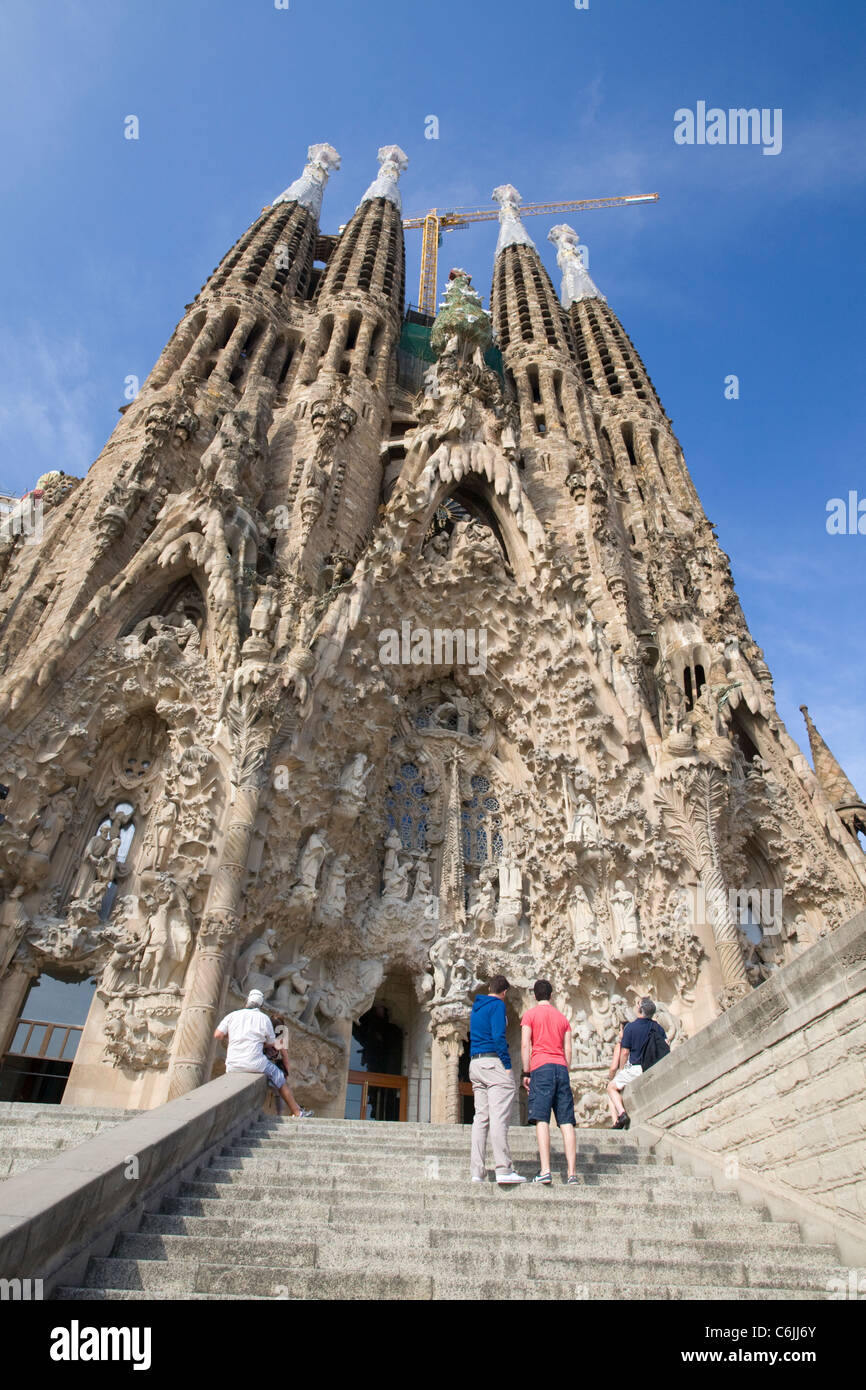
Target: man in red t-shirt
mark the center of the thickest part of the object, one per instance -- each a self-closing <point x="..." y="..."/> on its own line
<point x="545" y="1051"/>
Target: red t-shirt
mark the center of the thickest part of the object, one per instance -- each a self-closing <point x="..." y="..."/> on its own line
<point x="549" y="1027"/>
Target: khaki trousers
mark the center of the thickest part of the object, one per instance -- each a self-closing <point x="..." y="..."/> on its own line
<point x="493" y="1090"/>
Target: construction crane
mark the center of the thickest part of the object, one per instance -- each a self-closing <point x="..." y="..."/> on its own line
<point x="434" y="222"/>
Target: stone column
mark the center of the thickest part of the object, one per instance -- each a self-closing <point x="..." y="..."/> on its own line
<point x="335" y="1109"/>
<point x="337" y="345"/>
<point x="229" y="355"/>
<point x="217" y="938"/>
<point x="448" y="1039"/>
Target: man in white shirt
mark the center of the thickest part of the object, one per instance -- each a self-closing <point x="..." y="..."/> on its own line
<point x="249" y="1031"/>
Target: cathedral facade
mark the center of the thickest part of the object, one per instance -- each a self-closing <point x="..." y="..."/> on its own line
<point x="374" y="656"/>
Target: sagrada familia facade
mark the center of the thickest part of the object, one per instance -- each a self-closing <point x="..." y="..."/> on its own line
<point x="356" y="673"/>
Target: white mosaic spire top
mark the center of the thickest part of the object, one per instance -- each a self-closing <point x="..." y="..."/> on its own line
<point x="576" y="281"/>
<point x="308" y="189"/>
<point x="393" y="161"/>
<point x="511" y="230"/>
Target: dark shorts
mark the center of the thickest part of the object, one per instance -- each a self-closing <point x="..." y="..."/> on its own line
<point x="550" y="1089"/>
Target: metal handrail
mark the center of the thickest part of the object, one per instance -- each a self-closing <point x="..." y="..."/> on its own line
<point x="50" y="1030"/>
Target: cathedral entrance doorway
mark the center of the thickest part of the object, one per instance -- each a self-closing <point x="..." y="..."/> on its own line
<point x="44" y="1040"/>
<point x="464" y="1088"/>
<point x="376" y="1089"/>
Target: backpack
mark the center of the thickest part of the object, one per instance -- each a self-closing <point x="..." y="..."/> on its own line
<point x="654" y="1048"/>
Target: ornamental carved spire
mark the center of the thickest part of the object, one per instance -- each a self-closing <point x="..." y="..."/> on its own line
<point x="511" y="230"/>
<point x="307" y="190"/>
<point x="576" y="281"/>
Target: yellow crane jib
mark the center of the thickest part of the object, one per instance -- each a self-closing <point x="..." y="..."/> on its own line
<point x="434" y="222"/>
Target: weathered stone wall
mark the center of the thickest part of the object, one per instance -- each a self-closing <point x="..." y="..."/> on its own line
<point x="776" y="1086"/>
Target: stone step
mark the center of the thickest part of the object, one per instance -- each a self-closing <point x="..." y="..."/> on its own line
<point x="191" y="1275"/>
<point x="33" y="1134"/>
<point x="355" y="1150"/>
<point x="382" y="1134"/>
<point x="322" y="1285"/>
<point x="280" y="1175"/>
<point x="211" y="1218"/>
<point x="320" y="1217"/>
<point x="601" y="1198"/>
<point x="26" y="1110"/>
<point x="433" y="1166"/>
<point x="337" y="1246"/>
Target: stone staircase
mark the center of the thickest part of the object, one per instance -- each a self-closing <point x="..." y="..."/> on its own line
<point x="30" y="1134"/>
<point x="331" y="1209"/>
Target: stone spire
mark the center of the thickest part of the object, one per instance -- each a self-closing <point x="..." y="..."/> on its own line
<point x="850" y="807"/>
<point x="576" y="281"/>
<point x="394" y="162"/>
<point x="511" y="230"/>
<point x="308" y="189"/>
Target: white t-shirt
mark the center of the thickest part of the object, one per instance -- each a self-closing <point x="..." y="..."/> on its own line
<point x="248" y="1031"/>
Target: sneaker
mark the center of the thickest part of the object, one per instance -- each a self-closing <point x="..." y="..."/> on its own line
<point x="304" y="1115"/>
<point x="543" y="1177"/>
<point x="573" y="1181"/>
<point x="509" y="1179"/>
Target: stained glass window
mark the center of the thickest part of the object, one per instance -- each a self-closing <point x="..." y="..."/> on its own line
<point x="407" y="807"/>
<point x="481" y="824"/>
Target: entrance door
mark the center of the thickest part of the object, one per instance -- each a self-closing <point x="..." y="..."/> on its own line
<point x="376" y="1088"/>
<point x="375" y="1096"/>
<point x="464" y="1088"/>
<point x="46" y="1037"/>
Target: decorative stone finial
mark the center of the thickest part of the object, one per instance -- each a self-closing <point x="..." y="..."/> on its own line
<point x="576" y="281"/>
<point x="511" y="230"/>
<point x="393" y="161"/>
<point x="308" y="189"/>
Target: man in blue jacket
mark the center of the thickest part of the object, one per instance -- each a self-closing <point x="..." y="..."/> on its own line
<point x="493" y="1084"/>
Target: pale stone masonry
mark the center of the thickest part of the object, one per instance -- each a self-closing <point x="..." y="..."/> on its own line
<point x="776" y="1087"/>
<point x="218" y="776"/>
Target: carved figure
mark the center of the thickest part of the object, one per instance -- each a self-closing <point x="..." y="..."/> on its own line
<point x="584" y="929"/>
<point x="157" y="841"/>
<point x="624" y="911"/>
<point x="168" y="940"/>
<point x="52" y="822"/>
<point x="311" y="860"/>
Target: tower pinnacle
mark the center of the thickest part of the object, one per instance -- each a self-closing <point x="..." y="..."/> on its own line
<point x="576" y="281"/>
<point x="511" y="230"/>
<point x="394" y="162"/>
<point x="308" y="189"/>
<point x="849" y="806"/>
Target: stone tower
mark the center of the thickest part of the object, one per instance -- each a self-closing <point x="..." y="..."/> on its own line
<point x="367" y="661"/>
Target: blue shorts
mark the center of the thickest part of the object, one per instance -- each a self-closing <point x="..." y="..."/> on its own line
<point x="276" y="1077"/>
<point x="550" y="1089"/>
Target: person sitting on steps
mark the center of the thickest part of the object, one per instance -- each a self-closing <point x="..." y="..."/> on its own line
<point x="249" y="1031"/>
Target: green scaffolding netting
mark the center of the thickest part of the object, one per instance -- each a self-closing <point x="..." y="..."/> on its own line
<point x="415" y="340"/>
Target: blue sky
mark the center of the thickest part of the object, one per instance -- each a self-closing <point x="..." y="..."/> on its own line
<point x="750" y="264"/>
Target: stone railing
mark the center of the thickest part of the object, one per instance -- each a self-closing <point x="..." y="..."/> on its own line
<point x="770" y="1098"/>
<point x="56" y="1216"/>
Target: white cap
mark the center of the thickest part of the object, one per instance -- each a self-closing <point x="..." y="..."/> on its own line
<point x="255" y="999"/>
<point x="308" y="189"/>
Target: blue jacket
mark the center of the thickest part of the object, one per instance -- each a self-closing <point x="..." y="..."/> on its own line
<point x="487" y="1028"/>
